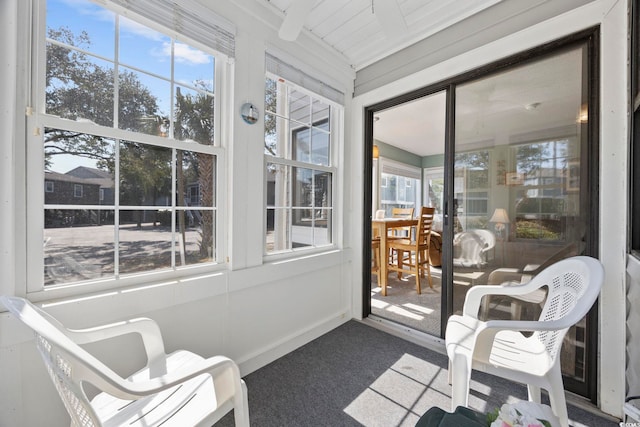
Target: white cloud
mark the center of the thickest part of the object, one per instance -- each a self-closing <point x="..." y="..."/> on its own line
<point x="129" y="26"/>
<point x="186" y="54"/>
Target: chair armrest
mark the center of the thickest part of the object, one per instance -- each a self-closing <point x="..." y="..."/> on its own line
<point x="501" y="275"/>
<point x="146" y="328"/>
<point x="474" y="295"/>
<point x="527" y="325"/>
<point x="132" y="390"/>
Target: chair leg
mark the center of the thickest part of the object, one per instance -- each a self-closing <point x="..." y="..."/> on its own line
<point x="422" y="258"/>
<point x="556" y="396"/>
<point x="460" y="371"/>
<point x="516" y="310"/>
<point x="241" y="407"/>
<point x="426" y="261"/>
<point x="533" y="393"/>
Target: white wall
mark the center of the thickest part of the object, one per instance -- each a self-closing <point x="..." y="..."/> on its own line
<point x="611" y="16"/>
<point x="250" y="311"/>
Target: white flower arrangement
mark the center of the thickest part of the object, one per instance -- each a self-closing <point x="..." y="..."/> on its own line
<point x="523" y="414"/>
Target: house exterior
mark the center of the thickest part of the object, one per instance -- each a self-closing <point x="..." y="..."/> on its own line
<point x="254" y="306"/>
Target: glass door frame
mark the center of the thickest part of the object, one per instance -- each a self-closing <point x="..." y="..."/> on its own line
<point x="589" y="182"/>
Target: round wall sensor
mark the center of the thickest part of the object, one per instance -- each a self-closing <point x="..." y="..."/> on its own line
<point x="249" y="113"/>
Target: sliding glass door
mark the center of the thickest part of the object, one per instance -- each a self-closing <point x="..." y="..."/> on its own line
<point x="521" y="140"/>
<point x="512" y="173"/>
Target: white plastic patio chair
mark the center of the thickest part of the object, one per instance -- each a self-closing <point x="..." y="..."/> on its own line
<point x="498" y="346"/>
<point x="180" y="389"/>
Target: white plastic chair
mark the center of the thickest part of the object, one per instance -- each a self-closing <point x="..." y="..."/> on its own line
<point x="498" y="346"/>
<point x="179" y="389"/>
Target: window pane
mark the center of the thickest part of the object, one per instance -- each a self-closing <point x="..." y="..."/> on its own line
<point x="299" y="106"/>
<point x="199" y="242"/>
<point x="322" y="231"/>
<point x="278" y="229"/>
<point x="320" y="112"/>
<point x="83" y="24"/>
<point x="144" y="48"/>
<point x="78" y="245"/>
<point x="320" y="147"/>
<point x="196" y="174"/>
<point x="72" y="159"/>
<point x="145" y="175"/>
<point x="144" y="241"/>
<point x="193" y="116"/>
<point x="397" y="191"/>
<point x="79" y="86"/>
<point x="302" y="143"/>
<point x="143" y="103"/>
<point x="194" y="67"/>
<point x="271" y="96"/>
<point x="276" y="140"/>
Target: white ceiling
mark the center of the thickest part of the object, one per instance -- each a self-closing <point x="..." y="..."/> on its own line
<point x="499" y="109"/>
<point x="364" y="31"/>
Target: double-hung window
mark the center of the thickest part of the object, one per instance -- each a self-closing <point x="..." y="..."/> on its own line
<point x="302" y="129"/>
<point x="126" y="111"/>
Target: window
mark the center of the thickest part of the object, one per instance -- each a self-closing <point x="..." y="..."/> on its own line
<point x="471" y="188"/>
<point x="301" y="135"/>
<point x="129" y="131"/>
<point x="48" y="186"/>
<point x="548" y="191"/>
<point x="399" y="186"/>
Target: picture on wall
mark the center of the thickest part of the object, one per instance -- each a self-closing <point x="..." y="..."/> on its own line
<point x="514" y="178"/>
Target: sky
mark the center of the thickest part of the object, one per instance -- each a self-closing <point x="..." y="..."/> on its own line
<point x="141" y="47"/>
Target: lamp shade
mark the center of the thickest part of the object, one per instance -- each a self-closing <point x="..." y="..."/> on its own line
<point x="376" y="152"/>
<point x="500" y="216"/>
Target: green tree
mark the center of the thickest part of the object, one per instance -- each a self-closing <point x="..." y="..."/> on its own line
<point x="79" y="89"/>
<point x="194" y="121"/>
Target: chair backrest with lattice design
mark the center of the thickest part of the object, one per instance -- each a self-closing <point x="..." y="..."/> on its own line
<point x="573" y="285"/>
<point x="68" y="364"/>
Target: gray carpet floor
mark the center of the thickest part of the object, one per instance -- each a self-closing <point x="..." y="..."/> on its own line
<point x="357" y="375"/>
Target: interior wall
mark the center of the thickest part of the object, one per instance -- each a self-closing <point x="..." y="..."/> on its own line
<point x="397" y="154"/>
<point x="611" y="16"/>
<point x="249" y="310"/>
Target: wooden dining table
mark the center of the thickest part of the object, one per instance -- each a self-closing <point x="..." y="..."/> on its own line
<point x="381" y="228"/>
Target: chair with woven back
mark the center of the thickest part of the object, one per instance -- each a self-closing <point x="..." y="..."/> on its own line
<point x="525" y="351"/>
<point x="417" y="248"/>
<point x="177" y="389"/>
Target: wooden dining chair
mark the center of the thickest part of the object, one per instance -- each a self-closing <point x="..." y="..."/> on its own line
<point x="417" y="248"/>
<point x="404" y="213"/>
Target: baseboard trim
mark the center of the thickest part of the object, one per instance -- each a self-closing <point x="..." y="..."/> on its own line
<point x="276" y="350"/>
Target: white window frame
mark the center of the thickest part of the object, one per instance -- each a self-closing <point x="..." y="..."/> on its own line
<point x="49" y="187"/>
<point x="38" y="120"/>
<point x="336" y="137"/>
